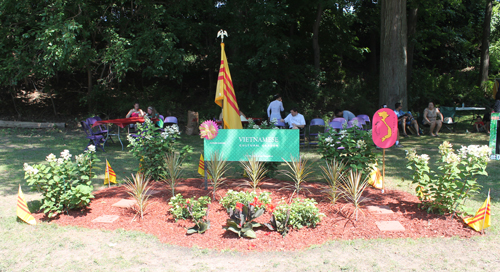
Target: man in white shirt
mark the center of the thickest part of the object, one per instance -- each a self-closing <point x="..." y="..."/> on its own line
<point x="347" y="115"/>
<point x="295" y="120"/>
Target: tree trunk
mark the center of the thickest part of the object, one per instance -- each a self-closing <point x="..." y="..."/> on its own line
<point x="315" y="37"/>
<point x="485" y="44"/>
<point x="412" y="29"/>
<point x="393" y="60"/>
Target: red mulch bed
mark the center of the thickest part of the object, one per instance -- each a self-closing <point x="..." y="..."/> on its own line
<point x="335" y="226"/>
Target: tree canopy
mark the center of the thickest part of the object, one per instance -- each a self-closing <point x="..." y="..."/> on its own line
<point x="77" y="57"/>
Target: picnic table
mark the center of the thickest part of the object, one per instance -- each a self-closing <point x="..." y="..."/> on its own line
<point x="471" y="109"/>
<point x="121" y="123"/>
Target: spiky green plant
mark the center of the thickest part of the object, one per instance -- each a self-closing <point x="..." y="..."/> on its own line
<point x="352" y="188"/>
<point x="333" y="174"/>
<point x="138" y="189"/>
<point x="255" y="170"/>
<point x="172" y="169"/>
<point x="298" y="173"/>
<point x="216" y="167"/>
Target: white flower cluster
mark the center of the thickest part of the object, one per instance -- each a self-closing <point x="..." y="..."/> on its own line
<point x="51" y="158"/>
<point x="256" y="127"/>
<point x="91" y="148"/>
<point x="65" y="155"/>
<point x="355" y="122"/>
<point x="329" y="142"/>
<point x="452" y="158"/>
<point x="274" y="121"/>
<point x="360" y="144"/>
<point x="131" y="140"/>
<point x="79" y="159"/>
<point x="148" y="137"/>
<point x="30" y="169"/>
<point x="170" y="131"/>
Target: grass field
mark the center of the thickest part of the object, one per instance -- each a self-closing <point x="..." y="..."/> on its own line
<point x="48" y="247"/>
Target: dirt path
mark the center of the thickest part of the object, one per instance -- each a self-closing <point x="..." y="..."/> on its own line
<point x="48" y="247"/>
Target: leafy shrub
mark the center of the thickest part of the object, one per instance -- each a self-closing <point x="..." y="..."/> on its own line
<point x="302" y="213"/>
<point x="352" y="145"/>
<point x="151" y="145"/>
<point x="241" y="218"/>
<point x="200" y="225"/>
<point x="138" y="189"/>
<point x="446" y="191"/>
<point x="180" y="205"/>
<point x="65" y="184"/>
<point x="233" y="197"/>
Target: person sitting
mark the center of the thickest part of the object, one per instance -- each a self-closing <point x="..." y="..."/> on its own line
<point x="480" y="125"/>
<point x="347" y="115"/>
<point x="295" y="120"/>
<point x="405" y="119"/>
<point x="135" y="112"/>
<point x="275" y="108"/>
<point x="152" y="113"/>
<point x="430" y="118"/>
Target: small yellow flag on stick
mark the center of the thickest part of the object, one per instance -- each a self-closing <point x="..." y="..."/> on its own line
<point x="22" y="209"/>
<point x="482" y="218"/>
<point x="201" y="166"/>
<point x="109" y="175"/>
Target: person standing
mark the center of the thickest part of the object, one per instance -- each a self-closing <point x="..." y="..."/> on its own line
<point x="275" y="108"/>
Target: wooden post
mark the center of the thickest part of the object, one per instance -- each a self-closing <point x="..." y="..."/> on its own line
<point x="383" y="170"/>
<point x="206" y="182"/>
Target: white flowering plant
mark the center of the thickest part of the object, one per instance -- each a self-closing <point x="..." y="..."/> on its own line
<point x="150" y="145"/>
<point x="353" y="146"/>
<point x="65" y="183"/>
<point x="456" y="180"/>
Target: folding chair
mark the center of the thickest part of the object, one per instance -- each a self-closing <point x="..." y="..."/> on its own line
<point x="315" y="122"/>
<point x="98" y="130"/>
<point x="448" y="117"/>
<point x="93" y="138"/>
<point x="170" y="120"/>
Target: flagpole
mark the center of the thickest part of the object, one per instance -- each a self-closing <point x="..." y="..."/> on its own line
<point x="486" y="209"/>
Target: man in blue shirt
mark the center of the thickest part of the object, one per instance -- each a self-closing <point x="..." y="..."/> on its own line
<point x="347" y="115"/>
<point x="405" y="119"/>
<point x="295" y="120"/>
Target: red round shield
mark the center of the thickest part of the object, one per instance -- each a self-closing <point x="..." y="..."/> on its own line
<point x="384" y="128"/>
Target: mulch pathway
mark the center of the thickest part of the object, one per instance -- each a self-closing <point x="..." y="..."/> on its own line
<point x="335" y="226"/>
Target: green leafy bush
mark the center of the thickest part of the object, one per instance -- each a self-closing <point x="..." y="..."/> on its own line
<point x="241" y="218"/>
<point x="151" y="146"/>
<point x="446" y="191"/>
<point x="233" y="197"/>
<point x="180" y="205"/>
<point x="302" y="213"/>
<point x="352" y="145"/>
<point x="65" y="184"/>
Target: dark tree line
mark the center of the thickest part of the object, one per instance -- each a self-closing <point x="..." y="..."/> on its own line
<point x="83" y="57"/>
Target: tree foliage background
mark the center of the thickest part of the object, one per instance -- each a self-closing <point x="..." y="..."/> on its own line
<point x="69" y="58"/>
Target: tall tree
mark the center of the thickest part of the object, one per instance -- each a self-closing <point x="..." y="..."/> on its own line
<point x="393" y="58"/>
<point x="485" y="43"/>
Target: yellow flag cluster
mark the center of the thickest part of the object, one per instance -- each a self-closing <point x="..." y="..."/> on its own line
<point x="201" y="166"/>
<point x="375" y="179"/>
<point x="22" y="209"/>
<point x="482" y="218"/>
<point x="225" y="96"/>
<point x="109" y="175"/>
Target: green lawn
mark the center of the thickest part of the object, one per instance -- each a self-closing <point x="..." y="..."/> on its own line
<point x="50" y="247"/>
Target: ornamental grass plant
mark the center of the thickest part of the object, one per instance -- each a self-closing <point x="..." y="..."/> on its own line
<point x="172" y="169"/>
<point x="138" y="189"/>
<point x="334" y="174"/>
<point x="298" y="173"/>
<point x="255" y="171"/>
<point x="352" y="188"/>
<point x="216" y="167"/>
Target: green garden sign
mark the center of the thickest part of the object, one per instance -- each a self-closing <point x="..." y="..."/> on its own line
<point x="495" y="117"/>
<point x="270" y="145"/>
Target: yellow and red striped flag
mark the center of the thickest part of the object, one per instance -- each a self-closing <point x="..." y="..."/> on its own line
<point x="22" y="209"/>
<point x="109" y="175"/>
<point x="482" y="218"/>
<point x="201" y="166"/>
<point x="225" y="96"/>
